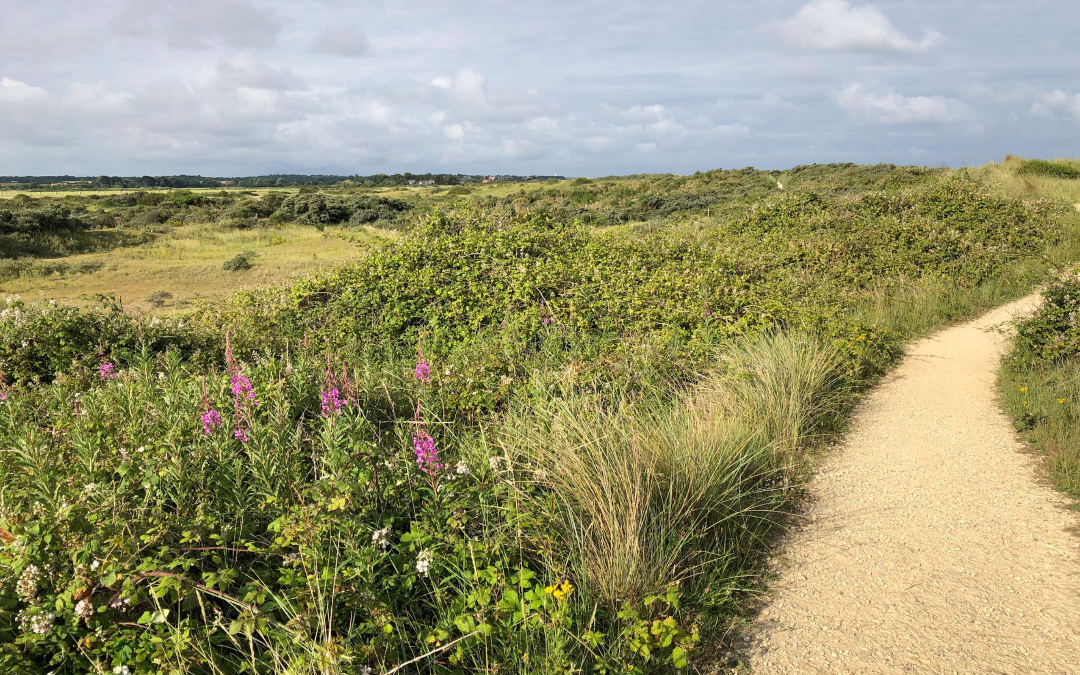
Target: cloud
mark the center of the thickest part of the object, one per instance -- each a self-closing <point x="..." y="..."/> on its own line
<point x="243" y="70"/>
<point x="199" y="24"/>
<point x="836" y="26"/>
<point x="17" y="92"/>
<point x="1050" y="101"/>
<point x="341" y="41"/>
<point x="896" y="109"/>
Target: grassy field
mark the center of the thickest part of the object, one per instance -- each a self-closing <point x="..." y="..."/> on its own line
<point x="542" y="428"/>
<point x="187" y="263"/>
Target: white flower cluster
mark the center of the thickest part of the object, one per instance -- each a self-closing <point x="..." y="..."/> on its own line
<point x="12" y="314"/>
<point x="120" y="603"/>
<point x="121" y="670"/>
<point x="84" y="609"/>
<point x="493" y="462"/>
<point x="26" y="587"/>
<point x="365" y="670"/>
<point x="41" y="623"/>
<point x="95" y="565"/>
<point x="462" y="469"/>
<point x="381" y="538"/>
<point x="423" y="561"/>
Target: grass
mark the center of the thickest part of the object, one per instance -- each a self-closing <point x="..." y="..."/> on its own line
<point x="653" y="492"/>
<point x="187" y="262"/>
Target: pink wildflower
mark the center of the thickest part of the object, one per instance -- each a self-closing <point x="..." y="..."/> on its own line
<point x="211" y="419"/>
<point x="423" y="370"/>
<point x="331" y="401"/>
<point x="241" y="434"/>
<point x="241" y="387"/>
<point x="107" y="370"/>
<point x="427" y="455"/>
<point x="332" y="398"/>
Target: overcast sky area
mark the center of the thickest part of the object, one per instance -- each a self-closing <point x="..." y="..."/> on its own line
<point x="239" y="87"/>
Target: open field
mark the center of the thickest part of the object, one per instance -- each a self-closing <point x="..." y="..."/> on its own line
<point x="543" y="428"/>
<point x="187" y="263"/>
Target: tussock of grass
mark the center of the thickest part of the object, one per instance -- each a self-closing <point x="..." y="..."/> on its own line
<point x="654" y="492"/>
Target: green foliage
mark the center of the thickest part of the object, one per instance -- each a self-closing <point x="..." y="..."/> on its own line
<point x="1041" y="167"/>
<point x="1040" y="381"/>
<point x="1051" y="335"/>
<point x="159" y="298"/>
<point x="240" y="262"/>
<point x="314" y="545"/>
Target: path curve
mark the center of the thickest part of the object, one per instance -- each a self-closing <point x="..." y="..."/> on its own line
<point x="930" y="545"/>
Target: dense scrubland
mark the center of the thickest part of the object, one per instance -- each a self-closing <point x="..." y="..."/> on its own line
<point x="546" y="429"/>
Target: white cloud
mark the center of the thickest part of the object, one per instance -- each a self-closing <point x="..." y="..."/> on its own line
<point x="647" y="113"/>
<point x="892" y="108"/>
<point x="454" y="132"/>
<point x="17" y="92"/>
<point x="834" y="25"/>
<point x="442" y="82"/>
<point x="244" y="70"/>
<point x="1050" y="101"/>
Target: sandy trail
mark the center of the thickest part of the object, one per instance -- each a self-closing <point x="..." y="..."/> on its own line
<point x="931" y="545"/>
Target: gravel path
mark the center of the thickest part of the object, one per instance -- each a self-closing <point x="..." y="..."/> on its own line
<point x="931" y="545"/>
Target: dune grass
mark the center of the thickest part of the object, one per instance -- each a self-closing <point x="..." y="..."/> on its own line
<point x="653" y="492"/>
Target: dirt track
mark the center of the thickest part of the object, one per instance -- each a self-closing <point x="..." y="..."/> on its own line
<point x="931" y="545"/>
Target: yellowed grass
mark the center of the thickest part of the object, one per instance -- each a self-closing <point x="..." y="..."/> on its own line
<point x="12" y="193"/>
<point x="1005" y="177"/>
<point x="187" y="263"/>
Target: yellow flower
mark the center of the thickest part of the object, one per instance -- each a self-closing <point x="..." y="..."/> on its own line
<point x="1061" y="400"/>
<point x="1023" y="388"/>
<point x="562" y="591"/>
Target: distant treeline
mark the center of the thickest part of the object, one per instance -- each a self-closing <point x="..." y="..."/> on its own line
<point x="272" y="180"/>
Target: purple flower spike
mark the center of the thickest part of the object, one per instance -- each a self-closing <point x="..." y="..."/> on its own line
<point x="241" y="434"/>
<point x="107" y="370"/>
<point x="331" y="401"/>
<point x="211" y="419"/>
<point x="241" y="387"/>
<point x="423" y="371"/>
<point x="427" y="455"/>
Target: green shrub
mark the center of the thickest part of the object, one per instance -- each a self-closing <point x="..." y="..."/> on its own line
<point x="1041" y="167"/>
<point x="459" y="191"/>
<point x="159" y="298"/>
<point x="240" y="262"/>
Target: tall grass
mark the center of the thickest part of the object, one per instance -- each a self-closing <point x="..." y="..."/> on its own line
<point x="652" y="492"/>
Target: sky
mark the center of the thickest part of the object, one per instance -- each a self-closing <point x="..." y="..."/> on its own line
<point x="577" y="88"/>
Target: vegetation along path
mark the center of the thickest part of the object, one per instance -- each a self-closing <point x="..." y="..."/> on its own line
<point x="930" y="546"/>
